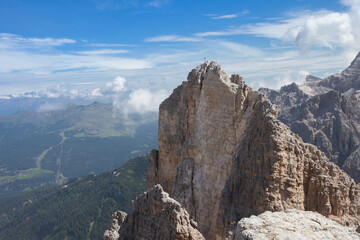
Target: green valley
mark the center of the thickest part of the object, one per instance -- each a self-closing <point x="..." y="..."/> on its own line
<point x="46" y="148"/>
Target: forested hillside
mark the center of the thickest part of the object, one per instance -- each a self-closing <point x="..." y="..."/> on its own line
<point x="81" y="209"/>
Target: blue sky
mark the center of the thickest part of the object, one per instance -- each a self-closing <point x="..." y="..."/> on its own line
<point x="80" y="48"/>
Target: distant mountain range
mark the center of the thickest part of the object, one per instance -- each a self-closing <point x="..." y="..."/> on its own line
<point x="326" y="113"/>
<point x="40" y="148"/>
<point x="81" y="209"/>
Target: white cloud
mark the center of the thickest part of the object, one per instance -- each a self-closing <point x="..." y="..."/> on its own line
<point x="325" y="30"/>
<point x="110" y="89"/>
<point x="142" y="101"/>
<point x="61" y="90"/>
<point x="288" y="77"/>
<point x="103" y="52"/>
<point x="118" y="85"/>
<point x="172" y="38"/>
<point x="306" y="29"/>
<point x="96" y="93"/>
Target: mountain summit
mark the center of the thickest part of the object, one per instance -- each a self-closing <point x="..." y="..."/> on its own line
<point x="224" y="156"/>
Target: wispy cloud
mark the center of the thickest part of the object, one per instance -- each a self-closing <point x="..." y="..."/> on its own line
<point x="158" y="3"/>
<point x="115" y="4"/>
<point x="11" y="40"/>
<point x="110" y="45"/>
<point x="228" y="16"/>
<point x="103" y="52"/>
<point x="172" y="38"/>
<point x="124" y="4"/>
<point x="36" y="63"/>
<point x="18" y="53"/>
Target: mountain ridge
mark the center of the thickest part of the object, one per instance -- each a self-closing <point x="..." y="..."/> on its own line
<point x="327" y="116"/>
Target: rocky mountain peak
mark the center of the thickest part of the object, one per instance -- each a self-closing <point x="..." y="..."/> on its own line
<point x="212" y="72"/>
<point x="223" y="156"/>
<point x="222" y="148"/>
<point x="354" y="67"/>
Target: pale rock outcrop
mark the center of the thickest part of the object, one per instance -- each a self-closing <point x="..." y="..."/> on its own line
<point x="224" y="156"/>
<point x="292" y="224"/>
<point x="155" y="216"/>
<point x="117" y="220"/>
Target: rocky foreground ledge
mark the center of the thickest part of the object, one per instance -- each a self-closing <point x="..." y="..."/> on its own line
<point x="291" y="224"/>
<point x="223" y="156"/>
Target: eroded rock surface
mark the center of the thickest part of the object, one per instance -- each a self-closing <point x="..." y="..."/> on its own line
<point x="155" y="216"/>
<point x="292" y="224"/>
<point x="224" y="156"/>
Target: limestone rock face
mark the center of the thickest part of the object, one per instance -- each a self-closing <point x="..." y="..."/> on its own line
<point x="200" y="125"/>
<point x="291" y="224"/>
<point x="224" y="156"/>
<point x="325" y="112"/>
<point x="155" y="216"/>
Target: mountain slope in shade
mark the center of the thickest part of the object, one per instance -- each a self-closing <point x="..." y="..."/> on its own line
<point x="326" y="113"/>
<point x="79" y="210"/>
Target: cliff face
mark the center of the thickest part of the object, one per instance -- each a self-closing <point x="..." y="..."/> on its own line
<point x="325" y="112"/>
<point x="224" y="156"/>
<point x="200" y="125"/>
